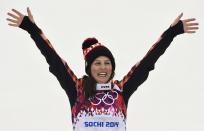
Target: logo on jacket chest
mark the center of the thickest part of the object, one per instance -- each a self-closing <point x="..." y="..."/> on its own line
<point x="105" y="98"/>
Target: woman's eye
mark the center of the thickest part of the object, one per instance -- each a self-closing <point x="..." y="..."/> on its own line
<point x="107" y="63"/>
<point x="97" y="63"/>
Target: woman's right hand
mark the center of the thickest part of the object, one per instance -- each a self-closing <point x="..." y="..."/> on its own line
<point x="16" y="18"/>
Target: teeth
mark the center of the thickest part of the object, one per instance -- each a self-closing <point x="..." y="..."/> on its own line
<point x="102" y="74"/>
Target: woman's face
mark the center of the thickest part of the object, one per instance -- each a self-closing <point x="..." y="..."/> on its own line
<point x="101" y="69"/>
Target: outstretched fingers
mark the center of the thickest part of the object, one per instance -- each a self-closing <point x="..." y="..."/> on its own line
<point x="30" y="14"/>
<point x="17" y="12"/>
<point x="15" y="18"/>
<point x="177" y="20"/>
<point x="15" y="25"/>
<point x="179" y="17"/>
<point x="12" y="20"/>
<point x="189" y="20"/>
<point x="190" y="26"/>
<point x="190" y="32"/>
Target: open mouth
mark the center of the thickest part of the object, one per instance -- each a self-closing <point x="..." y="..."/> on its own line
<point x="102" y="74"/>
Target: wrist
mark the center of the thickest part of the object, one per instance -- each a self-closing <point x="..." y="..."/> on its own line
<point x="174" y="30"/>
<point x="29" y="26"/>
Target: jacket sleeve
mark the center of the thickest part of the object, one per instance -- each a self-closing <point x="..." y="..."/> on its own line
<point x="57" y="65"/>
<point x="140" y="71"/>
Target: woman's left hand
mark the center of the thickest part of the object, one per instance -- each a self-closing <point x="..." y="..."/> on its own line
<point x="189" y="25"/>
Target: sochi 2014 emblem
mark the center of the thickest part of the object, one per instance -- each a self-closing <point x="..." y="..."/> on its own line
<point x="106" y="98"/>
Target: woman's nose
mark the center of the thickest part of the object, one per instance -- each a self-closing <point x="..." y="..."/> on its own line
<point x="103" y="66"/>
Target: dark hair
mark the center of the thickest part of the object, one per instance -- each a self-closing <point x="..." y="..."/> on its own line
<point x="89" y="84"/>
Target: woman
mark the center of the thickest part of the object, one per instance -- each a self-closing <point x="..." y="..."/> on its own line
<point x="97" y="102"/>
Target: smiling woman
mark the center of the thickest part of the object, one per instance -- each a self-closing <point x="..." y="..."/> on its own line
<point x="99" y="103"/>
<point x="101" y="69"/>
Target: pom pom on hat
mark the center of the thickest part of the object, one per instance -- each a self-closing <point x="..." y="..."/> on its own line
<point x="88" y="42"/>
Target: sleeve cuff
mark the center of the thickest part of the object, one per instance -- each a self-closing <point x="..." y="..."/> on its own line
<point x="174" y="30"/>
<point x="29" y="26"/>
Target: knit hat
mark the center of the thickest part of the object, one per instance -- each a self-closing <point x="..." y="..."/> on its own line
<point x="93" y="49"/>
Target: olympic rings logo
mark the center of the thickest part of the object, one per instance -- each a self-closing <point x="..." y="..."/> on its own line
<point x="107" y="98"/>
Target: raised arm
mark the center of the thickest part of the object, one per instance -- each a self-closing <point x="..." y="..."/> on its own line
<point x="139" y="72"/>
<point x="57" y="65"/>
